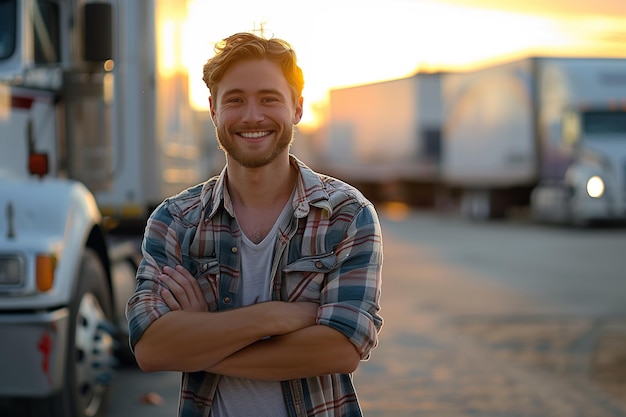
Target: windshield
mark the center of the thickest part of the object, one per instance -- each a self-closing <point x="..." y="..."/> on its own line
<point x="8" y="17"/>
<point x="604" y="122"/>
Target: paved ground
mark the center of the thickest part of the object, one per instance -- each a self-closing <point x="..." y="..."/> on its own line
<point x="459" y="346"/>
<point x="492" y="370"/>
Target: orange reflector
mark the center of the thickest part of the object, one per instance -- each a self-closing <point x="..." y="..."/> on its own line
<point x="38" y="164"/>
<point x="45" y="272"/>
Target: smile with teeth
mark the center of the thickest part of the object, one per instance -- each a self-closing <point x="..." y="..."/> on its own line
<point x="254" y="135"/>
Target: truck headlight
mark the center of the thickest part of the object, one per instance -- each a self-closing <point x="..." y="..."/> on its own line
<point x="595" y="187"/>
<point x="11" y="271"/>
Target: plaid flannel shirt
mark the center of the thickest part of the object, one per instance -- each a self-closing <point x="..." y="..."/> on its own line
<point x="329" y="252"/>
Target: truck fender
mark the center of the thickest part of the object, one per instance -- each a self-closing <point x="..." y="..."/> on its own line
<point x="50" y="216"/>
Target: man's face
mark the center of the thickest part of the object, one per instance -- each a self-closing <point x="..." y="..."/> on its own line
<point x="254" y="112"/>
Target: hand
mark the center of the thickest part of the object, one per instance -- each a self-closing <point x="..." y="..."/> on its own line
<point x="181" y="290"/>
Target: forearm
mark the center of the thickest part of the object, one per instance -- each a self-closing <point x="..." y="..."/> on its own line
<point x="315" y="350"/>
<point x="191" y="341"/>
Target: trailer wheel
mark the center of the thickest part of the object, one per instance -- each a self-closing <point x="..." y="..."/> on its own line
<point x="476" y="205"/>
<point x="90" y="356"/>
<point x="483" y="205"/>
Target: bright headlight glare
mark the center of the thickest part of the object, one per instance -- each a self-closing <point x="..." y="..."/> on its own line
<point x="595" y="187"/>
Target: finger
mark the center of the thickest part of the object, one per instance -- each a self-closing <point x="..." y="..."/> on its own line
<point x="181" y="275"/>
<point x="185" y="288"/>
<point x="175" y="289"/>
<point x="184" y="279"/>
<point x="176" y="274"/>
<point x="169" y="299"/>
<point x="195" y="285"/>
<point x="189" y="284"/>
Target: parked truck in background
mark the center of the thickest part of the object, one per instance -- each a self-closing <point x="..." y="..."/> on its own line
<point x="542" y="133"/>
<point x="546" y="133"/>
<point x="94" y="120"/>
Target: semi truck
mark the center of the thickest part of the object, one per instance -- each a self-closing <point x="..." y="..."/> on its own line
<point x="546" y="135"/>
<point x="96" y="129"/>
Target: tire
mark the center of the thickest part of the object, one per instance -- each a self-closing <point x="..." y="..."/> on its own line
<point x="125" y="356"/>
<point x="476" y="206"/>
<point x="90" y="356"/>
<point x="576" y="222"/>
<point x="484" y="205"/>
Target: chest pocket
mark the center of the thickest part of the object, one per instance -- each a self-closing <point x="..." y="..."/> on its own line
<point x="206" y="271"/>
<point x="304" y="279"/>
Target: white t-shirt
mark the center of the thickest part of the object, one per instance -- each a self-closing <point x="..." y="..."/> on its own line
<point x="247" y="397"/>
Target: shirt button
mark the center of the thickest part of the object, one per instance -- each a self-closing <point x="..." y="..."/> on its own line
<point x="234" y="249"/>
<point x="319" y="264"/>
<point x="227" y="300"/>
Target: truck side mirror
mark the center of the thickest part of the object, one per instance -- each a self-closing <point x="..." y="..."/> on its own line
<point x="98" y="32"/>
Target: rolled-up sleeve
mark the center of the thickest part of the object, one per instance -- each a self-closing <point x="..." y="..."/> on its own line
<point x="350" y="300"/>
<point x="159" y="248"/>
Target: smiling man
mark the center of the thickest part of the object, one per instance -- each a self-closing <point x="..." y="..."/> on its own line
<point x="262" y="285"/>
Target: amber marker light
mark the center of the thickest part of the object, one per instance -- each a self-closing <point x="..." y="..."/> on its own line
<point x="45" y="266"/>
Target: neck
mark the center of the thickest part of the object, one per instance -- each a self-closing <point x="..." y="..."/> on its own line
<point x="261" y="187"/>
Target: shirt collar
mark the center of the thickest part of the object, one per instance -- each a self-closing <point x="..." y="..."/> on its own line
<point x="310" y="191"/>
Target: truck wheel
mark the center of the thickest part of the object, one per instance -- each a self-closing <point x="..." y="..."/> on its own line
<point x="90" y="357"/>
<point x="483" y="205"/>
<point x="476" y="205"/>
<point x="576" y="221"/>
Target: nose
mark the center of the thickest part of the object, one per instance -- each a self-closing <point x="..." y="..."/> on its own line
<point x="252" y="113"/>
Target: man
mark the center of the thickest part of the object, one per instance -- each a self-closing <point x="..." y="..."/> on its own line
<point x="261" y="285"/>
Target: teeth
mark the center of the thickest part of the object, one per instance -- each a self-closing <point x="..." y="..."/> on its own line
<point x="254" y="135"/>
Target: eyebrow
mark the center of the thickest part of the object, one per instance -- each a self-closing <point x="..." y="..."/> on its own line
<point x="264" y="91"/>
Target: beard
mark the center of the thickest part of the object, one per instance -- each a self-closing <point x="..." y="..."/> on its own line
<point x="253" y="159"/>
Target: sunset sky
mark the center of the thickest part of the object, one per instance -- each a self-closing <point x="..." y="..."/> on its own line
<point x="349" y="42"/>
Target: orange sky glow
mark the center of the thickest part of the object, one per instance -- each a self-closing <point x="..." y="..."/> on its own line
<point x="350" y="42"/>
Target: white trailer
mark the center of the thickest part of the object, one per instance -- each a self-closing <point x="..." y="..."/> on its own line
<point x="94" y="119"/>
<point x="385" y="137"/>
<point x="549" y="132"/>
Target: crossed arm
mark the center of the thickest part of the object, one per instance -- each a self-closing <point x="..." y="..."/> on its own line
<point x="235" y="342"/>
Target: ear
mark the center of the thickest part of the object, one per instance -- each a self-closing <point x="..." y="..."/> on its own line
<point x="298" y="111"/>
<point x="212" y="109"/>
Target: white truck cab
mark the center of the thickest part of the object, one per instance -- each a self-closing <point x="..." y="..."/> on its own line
<point x="581" y="120"/>
<point x="90" y="125"/>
